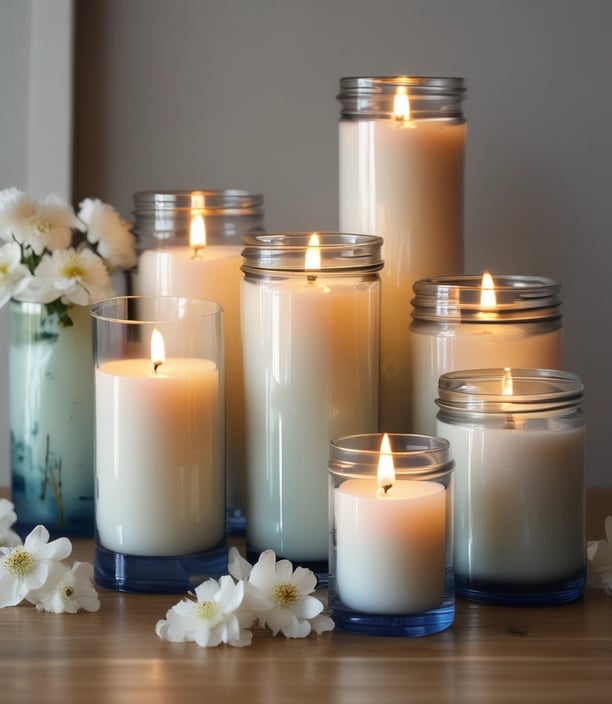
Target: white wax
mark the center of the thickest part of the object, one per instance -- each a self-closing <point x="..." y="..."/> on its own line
<point x="159" y="457"/>
<point x="404" y="183"/>
<point x="463" y="346"/>
<point x="519" y="502"/>
<point x="216" y="276"/>
<point x="390" y="550"/>
<point x="311" y="361"/>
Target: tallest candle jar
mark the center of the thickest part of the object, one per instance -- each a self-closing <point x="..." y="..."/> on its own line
<point x="309" y="311"/>
<point x="401" y="167"/>
<point x="171" y="265"/>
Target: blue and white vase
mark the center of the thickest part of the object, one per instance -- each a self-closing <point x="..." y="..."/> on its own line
<point x="51" y="419"/>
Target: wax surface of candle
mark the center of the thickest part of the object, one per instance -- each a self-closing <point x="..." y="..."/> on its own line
<point x="519" y="502"/>
<point x="310" y="375"/>
<point x="403" y="180"/>
<point x="390" y="550"/>
<point x="159" y="465"/>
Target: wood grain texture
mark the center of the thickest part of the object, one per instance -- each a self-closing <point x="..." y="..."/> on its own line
<point x="491" y="654"/>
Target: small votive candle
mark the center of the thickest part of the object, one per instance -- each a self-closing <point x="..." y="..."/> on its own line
<point x="160" y="476"/>
<point x="517" y="436"/>
<point x="391" y="534"/>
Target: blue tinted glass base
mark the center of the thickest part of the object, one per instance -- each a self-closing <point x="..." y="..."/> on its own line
<point x="398" y="625"/>
<point x="520" y="594"/>
<point x="157" y="575"/>
<point x="319" y="567"/>
<point x="235" y="521"/>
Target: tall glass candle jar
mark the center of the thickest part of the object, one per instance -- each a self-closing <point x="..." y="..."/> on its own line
<point x="171" y="265"/>
<point x="390" y="503"/>
<point x="459" y="323"/>
<point x="517" y="437"/>
<point x="309" y="311"/>
<point x="401" y="153"/>
<point x="160" y="443"/>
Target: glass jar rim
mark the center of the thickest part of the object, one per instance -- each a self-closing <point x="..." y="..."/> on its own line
<point x="533" y="390"/>
<point x="120" y="309"/>
<point x="286" y="252"/>
<point x="413" y="455"/>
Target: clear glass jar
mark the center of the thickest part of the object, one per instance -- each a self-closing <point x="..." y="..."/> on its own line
<point x="517" y="437"/>
<point x="170" y="266"/>
<point x="310" y="349"/>
<point x="391" y="556"/>
<point x="401" y="177"/>
<point x="452" y="330"/>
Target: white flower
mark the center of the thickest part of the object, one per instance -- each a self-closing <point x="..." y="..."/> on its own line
<point x="279" y="597"/>
<point x="110" y="231"/>
<point x="14" y="276"/>
<point x="67" y="590"/>
<point x="78" y="276"/>
<point x="8" y="537"/>
<point x="48" y="227"/>
<point x="15" y="209"/>
<point x="27" y="566"/>
<point x="599" y="553"/>
<point x="211" y="619"/>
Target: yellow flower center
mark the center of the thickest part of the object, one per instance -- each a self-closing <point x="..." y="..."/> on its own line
<point x="20" y="562"/>
<point x="72" y="270"/>
<point x="286" y="594"/>
<point x="206" y="609"/>
<point x="42" y="226"/>
<point x="68" y="592"/>
<point x="3" y="268"/>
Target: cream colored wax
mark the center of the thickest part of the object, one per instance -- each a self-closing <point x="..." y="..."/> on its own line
<point x="403" y="181"/>
<point x="159" y="457"/>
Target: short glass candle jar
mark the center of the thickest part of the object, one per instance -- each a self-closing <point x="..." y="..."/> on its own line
<point x="160" y="462"/>
<point x="390" y="504"/>
<point x="517" y="436"/>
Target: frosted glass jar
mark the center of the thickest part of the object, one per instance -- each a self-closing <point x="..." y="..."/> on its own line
<point x="168" y="266"/>
<point x="401" y="177"/>
<point x="517" y="437"/>
<point x="310" y="350"/>
<point x="452" y="330"/>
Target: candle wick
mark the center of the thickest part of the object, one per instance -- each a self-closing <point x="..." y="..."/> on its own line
<point x="311" y="278"/>
<point x="386" y="487"/>
<point x="156" y="365"/>
<point x="196" y="252"/>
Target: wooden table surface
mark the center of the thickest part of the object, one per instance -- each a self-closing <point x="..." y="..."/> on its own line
<point x="491" y="654"/>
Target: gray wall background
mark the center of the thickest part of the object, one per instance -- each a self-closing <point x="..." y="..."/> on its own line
<point x="239" y="93"/>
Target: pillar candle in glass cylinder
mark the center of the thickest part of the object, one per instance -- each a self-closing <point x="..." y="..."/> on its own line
<point x="401" y="153"/>
<point x="391" y="547"/>
<point x="309" y="311"/>
<point x="517" y="437"/>
<point x="190" y="245"/>
<point x="473" y="322"/>
<point x="160" y="474"/>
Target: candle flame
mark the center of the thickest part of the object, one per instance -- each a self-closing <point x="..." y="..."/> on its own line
<point x="158" y="349"/>
<point x="507" y="382"/>
<point x="197" y="234"/>
<point x="401" y="104"/>
<point x="487" y="292"/>
<point x="386" y="469"/>
<point x="313" y="253"/>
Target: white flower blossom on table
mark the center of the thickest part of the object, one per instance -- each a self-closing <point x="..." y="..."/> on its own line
<point x="107" y="229"/>
<point x="16" y="209"/>
<point x="210" y="619"/>
<point x="8" y="537"/>
<point x="599" y="553"/>
<point x="280" y="597"/>
<point x="26" y="567"/>
<point x="14" y="276"/>
<point x="78" y="276"/>
<point x="67" y="590"/>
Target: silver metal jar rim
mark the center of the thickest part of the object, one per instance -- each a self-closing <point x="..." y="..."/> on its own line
<point x="431" y="97"/>
<point x="533" y="390"/>
<point x="286" y="252"/>
<point x="457" y="299"/>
